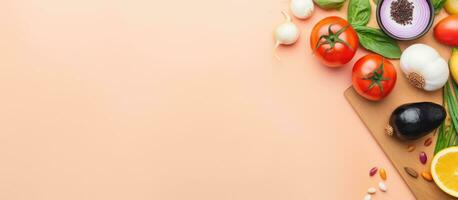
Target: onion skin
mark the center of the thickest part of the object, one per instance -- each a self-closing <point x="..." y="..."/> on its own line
<point x="414" y="120"/>
<point x="446" y="31"/>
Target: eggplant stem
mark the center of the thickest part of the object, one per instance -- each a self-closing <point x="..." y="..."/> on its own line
<point x="389" y="130"/>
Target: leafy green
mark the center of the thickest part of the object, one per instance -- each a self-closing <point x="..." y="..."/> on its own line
<point x="359" y="12"/>
<point x="375" y="40"/>
<point x="438" y="4"/>
<point x="329" y="4"/>
<point x="448" y="131"/>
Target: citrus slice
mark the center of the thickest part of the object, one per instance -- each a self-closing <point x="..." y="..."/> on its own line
<point x="444" y="169"/>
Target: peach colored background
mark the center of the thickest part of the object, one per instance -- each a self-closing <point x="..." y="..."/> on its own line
<point x="117" y="99"/>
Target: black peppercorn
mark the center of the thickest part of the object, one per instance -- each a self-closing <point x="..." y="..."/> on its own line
<point x="402" y="12"/>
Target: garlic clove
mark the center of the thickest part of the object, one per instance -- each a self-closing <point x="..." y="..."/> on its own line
<point x="436" y="74"/>
<point x="286" y="33"/>
<point x="435" y="79"/>
<point x="415" y="56"/>
<point x="302" y="9"/>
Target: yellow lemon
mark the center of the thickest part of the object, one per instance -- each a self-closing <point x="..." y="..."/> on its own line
<point x="444" y="170"/>
<point x="453" y="63"/>
<point x="451" y="6"/>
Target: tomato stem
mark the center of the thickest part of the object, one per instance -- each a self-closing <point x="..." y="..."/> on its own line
<point x="332" y="38"/>
<point x="376" y="77"/>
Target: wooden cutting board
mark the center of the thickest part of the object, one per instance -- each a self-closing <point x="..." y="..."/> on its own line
<point x="375" y="116"/>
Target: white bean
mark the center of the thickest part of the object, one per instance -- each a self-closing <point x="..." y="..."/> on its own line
<point x="382" y="186"/>
<point x="371" y="190"/>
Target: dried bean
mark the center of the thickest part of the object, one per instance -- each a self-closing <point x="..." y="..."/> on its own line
<point x="382" y="173"/>
<point x="382" y="186"/>
<point x="428" y="142"/>
<point x="373" y="171"/>
<point x="423" y="157"/>
<point x="427" y="176"/>
<point x="371" y="190"/>
<point x="410" y="148"/>
<point x="411" y="172"/>
<point x="368" y="197"/>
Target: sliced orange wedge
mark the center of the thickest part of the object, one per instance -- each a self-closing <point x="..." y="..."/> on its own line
<point x="444" y="169"/>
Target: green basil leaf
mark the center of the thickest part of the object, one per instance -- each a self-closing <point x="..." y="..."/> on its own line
<point x="438" y="4"/>
<point x="376" y="41"/>
<point x="329" y="4"/>
<point x="359" y="12"/>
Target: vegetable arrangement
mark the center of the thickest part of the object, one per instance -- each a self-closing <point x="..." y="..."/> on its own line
<point x="334" y="42"/>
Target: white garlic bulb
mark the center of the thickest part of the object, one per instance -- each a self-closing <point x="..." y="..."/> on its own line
<point x="302" y="9"/>
<point x="286" y="33"/>
<point x="424" y="67"/>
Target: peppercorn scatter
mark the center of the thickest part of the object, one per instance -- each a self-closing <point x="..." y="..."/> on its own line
<point x="402" y="12"/>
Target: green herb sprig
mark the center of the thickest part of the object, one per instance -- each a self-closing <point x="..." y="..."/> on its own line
<point x="438" y="4"/>
<point x="448" y="131"/>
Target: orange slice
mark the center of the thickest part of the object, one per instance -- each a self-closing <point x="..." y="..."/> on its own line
<point x="444" y="169"/>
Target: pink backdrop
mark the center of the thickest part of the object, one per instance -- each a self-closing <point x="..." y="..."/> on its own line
<point x="168" y="100"/>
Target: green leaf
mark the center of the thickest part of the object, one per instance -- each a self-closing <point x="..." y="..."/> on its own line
<point x="438" y="4"/>
<point x="359" y="12"/>
<point x="329" y="4"/>
<point x="376" y="41"/>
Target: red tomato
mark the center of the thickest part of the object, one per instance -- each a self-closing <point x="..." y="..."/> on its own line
<point x="334" y="41"/>
<point x="373" y="77"/>
<point x="446" y="31"/>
